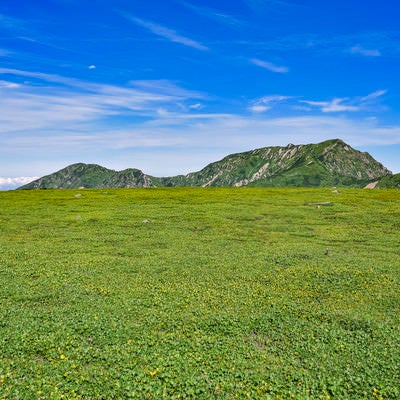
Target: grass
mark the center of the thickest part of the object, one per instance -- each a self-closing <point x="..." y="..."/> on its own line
<point x="200" y="293"/>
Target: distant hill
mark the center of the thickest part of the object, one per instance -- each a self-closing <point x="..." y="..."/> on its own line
<point x="330" y="163"/>
<point x="90" y="176"/>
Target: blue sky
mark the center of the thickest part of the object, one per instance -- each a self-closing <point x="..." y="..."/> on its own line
<point x="168" y="86"/>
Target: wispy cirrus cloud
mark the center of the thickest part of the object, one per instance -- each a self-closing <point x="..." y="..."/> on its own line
<point x="371" y="43"/>
<point x="16" y="27"/>
<point x="334" y="105"/>
<point x="165" y="86"/>
<point x="9" y="85"/>
<point x="7" y="22"/>
<point x="213" y="14"/>
<point x="196" y="106"/>
<point x="346" y="104"/>
<point x="365" y="52"/>
<point x="42" y="101"/>
<point x="166" y="33"/>
<point x="265" y="103"/>
<point x="373" y="95"/>
<point x="269" y="66"/>
<point x="138" y="87"/>
<point x="262" y="5"/>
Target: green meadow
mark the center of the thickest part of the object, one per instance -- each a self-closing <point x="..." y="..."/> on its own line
<point x="200" y="293"/>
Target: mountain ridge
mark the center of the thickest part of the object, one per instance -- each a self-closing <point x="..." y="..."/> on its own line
<point x="329" y="163"/>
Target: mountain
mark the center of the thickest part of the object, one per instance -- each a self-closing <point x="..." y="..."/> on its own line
<point x="330" y="163"/>
<point x="90" y="176"/>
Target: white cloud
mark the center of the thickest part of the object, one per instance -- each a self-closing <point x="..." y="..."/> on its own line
<point x="213" y="14"/>
<point x="71" y="101"/>
<point x="375" y="44"/>
<point x="269" y="66"/>
<point x="11" y="183"/>
<point x="374" y="95"/>
<point x="265" y="103"/>
<point x="92" y="67"/>
<point x="196" y="106"/>
<point x="365" y="52"/>
<point x="347" y="104"/>
<point x="9" y="85"/>
<point x="166" y="33"/>
<point x="334" y="105"/>
<point x="165" y="86"/>
<point x="229" y="131"/>
<point x="259" y="108"/>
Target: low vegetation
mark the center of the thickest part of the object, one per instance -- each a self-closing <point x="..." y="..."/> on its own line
<point x="200" y="293"/>
<point x="392" y="181"/>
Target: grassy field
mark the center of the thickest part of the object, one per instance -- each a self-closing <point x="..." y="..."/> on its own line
<point x="200" y="293"/>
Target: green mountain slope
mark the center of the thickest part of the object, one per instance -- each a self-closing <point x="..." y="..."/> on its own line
<point x="389" y="182"/>
<point x="90" y="176"/>
<point x="330" y="163"/>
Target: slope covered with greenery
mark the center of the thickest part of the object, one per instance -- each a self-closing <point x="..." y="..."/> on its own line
<point x="200" y="293"/>
<point x="331" y="163"/>
<point x="90" y="176"/>
<point x="390" y="182"/>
